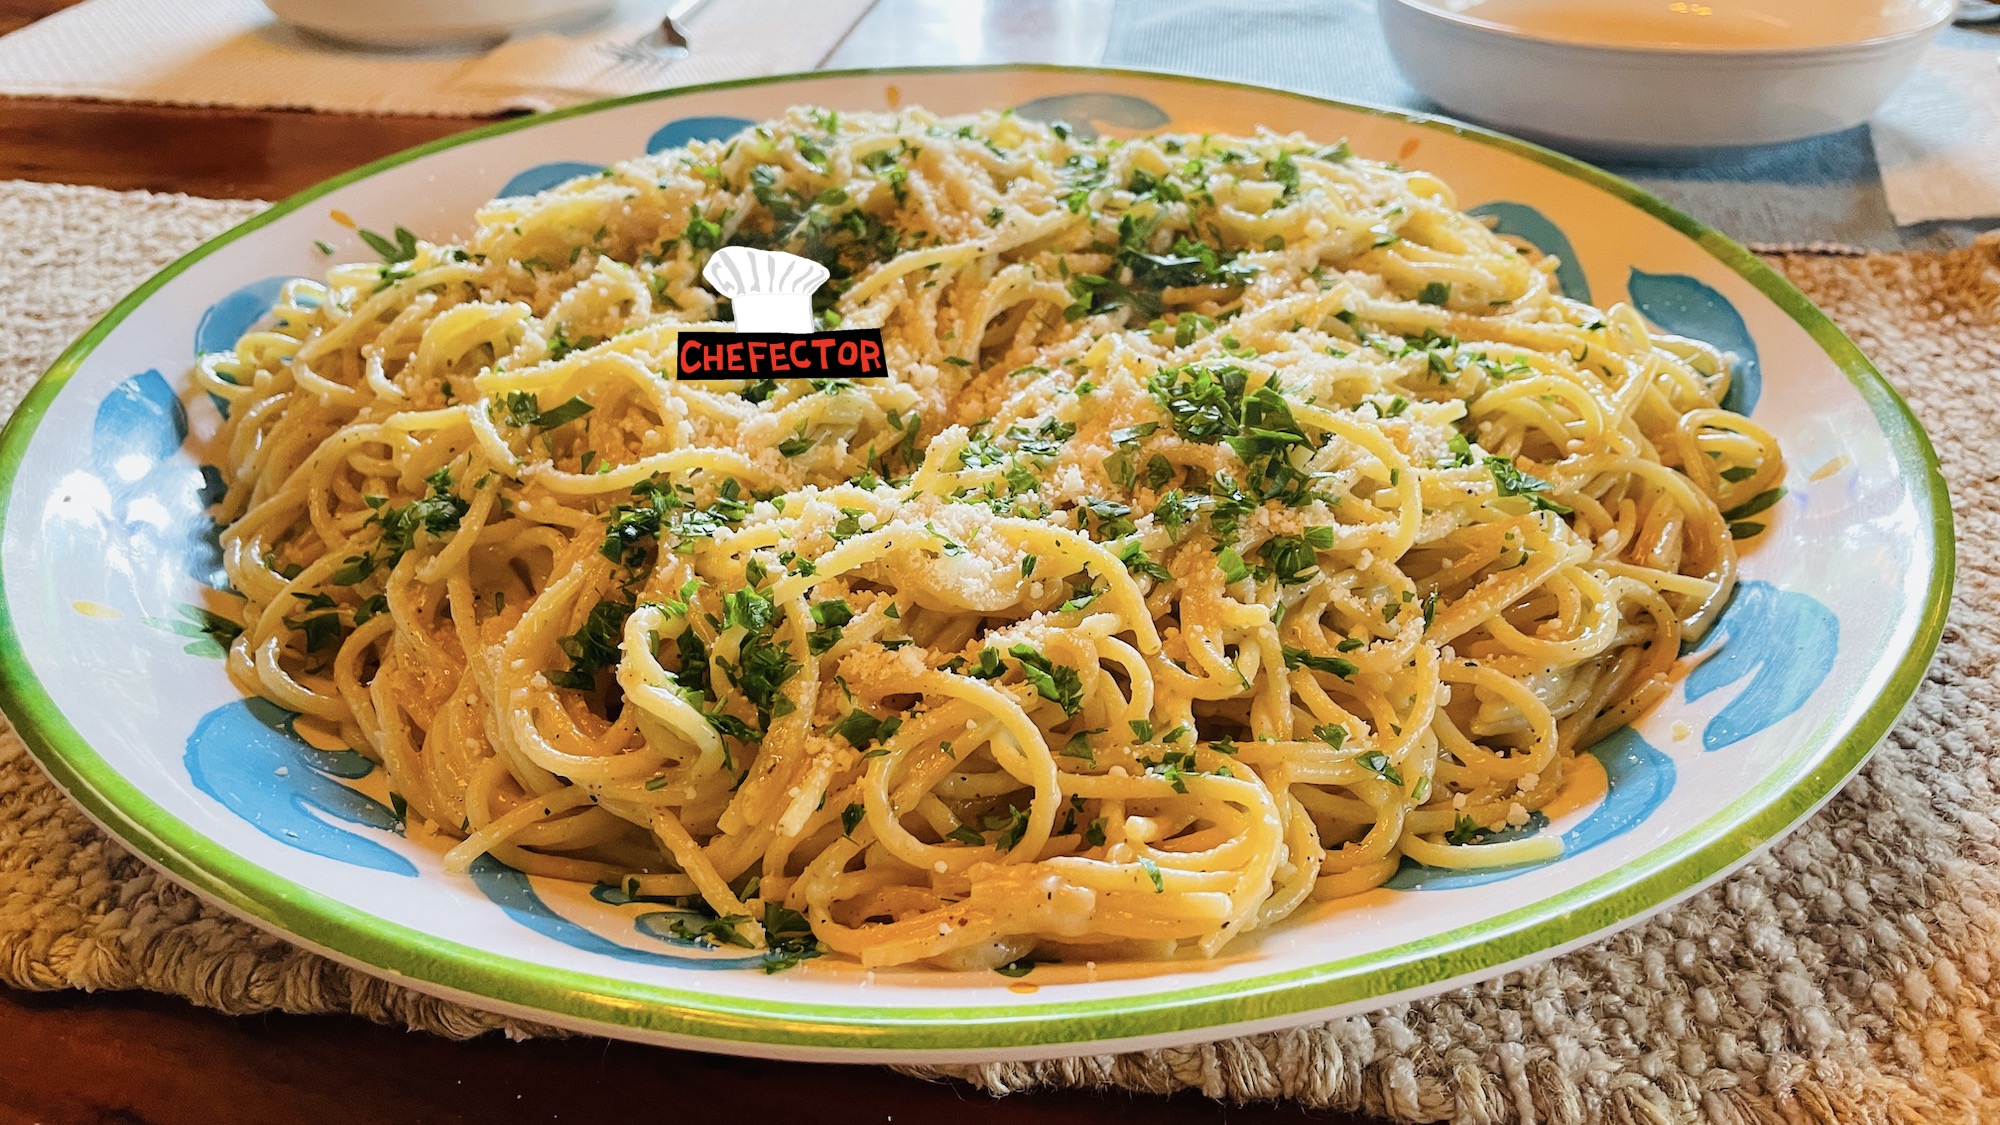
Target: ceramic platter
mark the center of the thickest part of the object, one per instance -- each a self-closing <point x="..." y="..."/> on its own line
<point x="106" y="557"/>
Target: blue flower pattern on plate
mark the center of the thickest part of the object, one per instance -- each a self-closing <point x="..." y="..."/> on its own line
<point x="1090" y="114"/>
<point x="680" y="131"/>
<point x="657" y="924"/>
<point x="246" y="756"/>
<point x="159" y="499"/>
<point x="227" y="320"/>
<point x="511" y="892"/>
<point x="1687" y="307"/>
<point x="1518" y="220"/>
<point x="1784" y="641"/>
<point x="1639" y="777"/>
<point x="542" y="177"/>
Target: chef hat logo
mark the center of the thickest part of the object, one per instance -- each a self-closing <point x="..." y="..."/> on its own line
<point x="769" y="290"/>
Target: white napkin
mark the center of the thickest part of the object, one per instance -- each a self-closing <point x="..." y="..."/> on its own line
<point x="732" y="39"/>
<point x="1938" y="138"/>
<point x="235" y="53"/>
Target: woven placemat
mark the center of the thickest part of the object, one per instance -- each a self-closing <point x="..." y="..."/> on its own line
<point x="1847" y="976"/>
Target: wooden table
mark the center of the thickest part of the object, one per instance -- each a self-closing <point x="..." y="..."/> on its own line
<point x="128" y="1058"/>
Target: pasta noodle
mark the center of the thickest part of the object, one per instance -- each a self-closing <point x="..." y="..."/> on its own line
<point x="1241" y="519"/>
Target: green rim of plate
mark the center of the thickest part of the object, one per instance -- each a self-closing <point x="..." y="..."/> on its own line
<point x="1697" y="856"/>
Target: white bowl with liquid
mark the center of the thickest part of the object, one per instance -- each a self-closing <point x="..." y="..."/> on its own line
<point x="1661" y="78"/>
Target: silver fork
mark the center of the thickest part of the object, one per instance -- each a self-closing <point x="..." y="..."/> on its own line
<point x="663" y="44"/>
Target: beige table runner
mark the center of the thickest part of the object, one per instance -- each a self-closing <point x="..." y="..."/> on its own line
<point x="1848" y="976"/>
<point x="236" y="53"/>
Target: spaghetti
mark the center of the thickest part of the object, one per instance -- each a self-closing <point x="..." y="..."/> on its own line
<point x="1242" y="520"/>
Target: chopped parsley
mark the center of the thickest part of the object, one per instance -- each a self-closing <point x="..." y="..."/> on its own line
<point x="1266" y="444"/>
<point x="1295" y="559"/>
<point x="989" y="666"/>
<point x="1233" y="567"/>
<point x="1130" y="435"/>
<point x="1113" y="518"/>
<point x="1208" y="403"/>
<point x="1057" y="683"/>
<point x="788" y="938"/>
<point x="1079" y="746"/>
<point x="628" y="526"/>
<point x="702" y="233"/>
<point x="1012" y="827"/>
<point x="1174" y="767"/>
<point x="561" y="345"/>
<point x="1458" y="452"/>
<point x="712" y="931"/>
<point x="1138" y="276"/>
<point x="1377" y="763"/>
<point x="370" y="606"/>
<point x="437" y="513"/>
<point x="829" y="615"/>
<point x="657" y="507"/>
<point x="1203" y="400"/>
<point x="594" y="647"/>
<point x="1045" y="440"/>
<point x="403" y="249"/>
<point x="861" y="729"/>
<point x="1746" y="529"/>
<point x="946" y="543"/>
<point x="848" y="525"/>
<point x="1514" y="481"/>
<point x="524" y="409"/>
<point x="1281" y="170"/>
<point x="321" y="631"/>
<point x="1754" y="505"/>
<point x="1300" y="658"/>
<point x="1138" y="562"/>
<point x="763" y="666"/>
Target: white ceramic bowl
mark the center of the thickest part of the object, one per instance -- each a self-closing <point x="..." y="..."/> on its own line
<point x="430" y="23"/>
<point x="1660" y="78"/>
